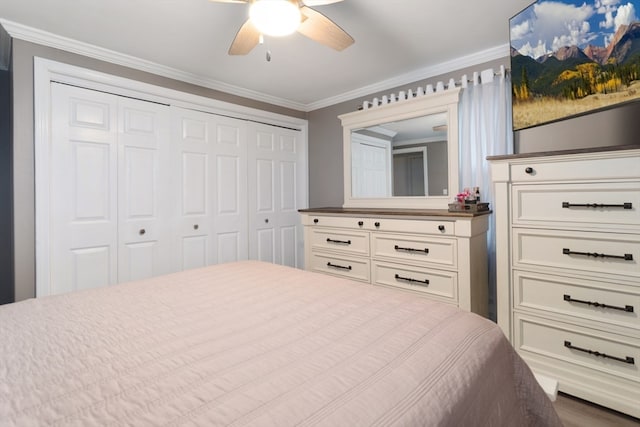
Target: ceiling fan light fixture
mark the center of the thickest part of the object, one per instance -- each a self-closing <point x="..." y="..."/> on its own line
<point x="275" y="17"/>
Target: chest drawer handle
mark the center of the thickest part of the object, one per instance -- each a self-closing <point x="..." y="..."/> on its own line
<point x="567" y="205"/>
<point x="329" y="264"/>
<point x="626" y="359"/>
<point x="626" y="257"/>
<point x="412" y="280"/>
<point x="398" y="248"/>
<point x="341" y="242"/>
<point x="627" y="308"/>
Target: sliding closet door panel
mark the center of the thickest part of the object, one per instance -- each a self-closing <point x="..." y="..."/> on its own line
<point x="213" y="188"/>
<point x="146" y="202"/>
<point x="290" y="231"/>
<point x="232" y="246"/>
<point x="265" y="245"/>
<point x="83" y="189"/>
<point x="274" y="159"/>
<point x="264" y="221"/>
<point x="288" y="238"/>
<point x="192" y="145"/>
<point x="265" y="185"/>
<point x="230" y="220"/>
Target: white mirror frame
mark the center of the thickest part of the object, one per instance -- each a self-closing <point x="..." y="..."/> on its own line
<point x="445" y="101"/>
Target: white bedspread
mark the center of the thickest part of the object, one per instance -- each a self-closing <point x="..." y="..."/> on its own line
<point x="255" y="344"/>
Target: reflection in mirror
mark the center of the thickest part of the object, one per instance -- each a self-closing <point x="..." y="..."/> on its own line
<point x="401" y="158"/>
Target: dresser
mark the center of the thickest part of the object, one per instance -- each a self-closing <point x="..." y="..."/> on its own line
<point x="568" y="259"/>
<point x="434" y="253"/>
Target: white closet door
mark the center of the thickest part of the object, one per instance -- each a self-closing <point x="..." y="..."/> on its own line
<point x="146" y="203"/>
<point x="193" y="152"/>
<point x="230" y="189"/>
<point x="371" y="167"/>
<point x="83" y="189"/>
<point x="212" y="188"/>
<point x="275" y="168"/>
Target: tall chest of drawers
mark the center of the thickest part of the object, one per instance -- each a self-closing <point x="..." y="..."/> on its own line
<point x="436" y="254"/>
<point x="568" y="257"/>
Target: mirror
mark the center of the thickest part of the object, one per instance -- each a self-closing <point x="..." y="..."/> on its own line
<point x="403" y="154"/>
<point x="406" y="158"/>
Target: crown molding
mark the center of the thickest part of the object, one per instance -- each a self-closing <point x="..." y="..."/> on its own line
<point x="476" y="58"/>
<point x="34" y="35"/>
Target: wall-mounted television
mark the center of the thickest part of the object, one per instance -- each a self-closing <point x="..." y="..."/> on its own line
<point x="570" y="58"/>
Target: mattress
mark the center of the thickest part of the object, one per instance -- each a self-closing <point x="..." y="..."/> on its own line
<point x="257" y="344"/>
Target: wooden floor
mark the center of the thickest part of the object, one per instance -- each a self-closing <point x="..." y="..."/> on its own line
<point x="578" y="413"/>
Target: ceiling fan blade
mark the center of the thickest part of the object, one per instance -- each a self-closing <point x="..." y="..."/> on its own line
<point x="247" y="38"/>
<point x="319" y="28"/>
<point x="319" y="2"/>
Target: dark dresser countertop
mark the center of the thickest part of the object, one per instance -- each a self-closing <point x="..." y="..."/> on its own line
<point x="563" y="152"/>
<point x="394" y="212"/>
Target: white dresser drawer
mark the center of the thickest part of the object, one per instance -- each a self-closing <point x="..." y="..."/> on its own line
<point x="348" y="241"/>
<point x="577" y="204"/>
<point x="436" y="227"/>
<point x="600" y="302"/>
<point x="440" y="284"/>
<point x="599" y="351"/>
<point x="419" y="249"/>
<point x="558" y="169"/>
<point x="579" y="251"/>
<point x="354" y="268"/>
<point x="337" y="221"/>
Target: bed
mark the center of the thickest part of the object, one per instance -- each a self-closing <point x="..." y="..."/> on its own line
<point x="257" y="344"/>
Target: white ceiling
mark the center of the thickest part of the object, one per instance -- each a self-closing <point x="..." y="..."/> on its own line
<point x="396" y="42"/>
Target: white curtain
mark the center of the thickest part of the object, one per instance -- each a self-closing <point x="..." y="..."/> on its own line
<point x="485" y="130"/>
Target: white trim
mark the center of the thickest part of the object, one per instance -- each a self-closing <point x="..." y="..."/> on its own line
<point x="45" y="38"/>
<point x="425" y="162"/>
<point x="494" y="53"/>
<point x="46" y="71"/>
<point x="437" y="103"/>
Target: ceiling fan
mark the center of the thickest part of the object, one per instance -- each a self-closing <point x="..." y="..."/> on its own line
<point x="282" y="17"/>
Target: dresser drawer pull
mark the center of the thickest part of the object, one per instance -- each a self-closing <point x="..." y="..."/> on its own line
<point x="341" y="242"/>
<point x="626" y="257"/>
<point x="339" y="266"/>
<point x="410" y="279"/>
<point x="596" y="205"/>
<point x="626" y="359"/>
<point x="627" y="308"/>
<point x="399" y="248"/>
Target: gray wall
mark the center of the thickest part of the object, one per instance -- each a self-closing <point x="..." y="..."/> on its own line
<point x="438" y="168"/>
<point x="6" y="187"/>
<point x="326" y="183"/>
<point x="23" y="141"/>
<point x="616" y="126"/>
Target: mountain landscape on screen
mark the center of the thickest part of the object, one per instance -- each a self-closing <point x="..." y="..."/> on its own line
<point x="573" y="57"/>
